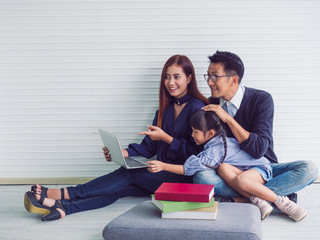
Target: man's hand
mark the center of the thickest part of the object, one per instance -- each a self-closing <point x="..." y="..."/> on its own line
<point x="222" y="114"/>
<point x="155" y="166"/>
<point x="238" y="131"/>
<point x="156" y="133"/>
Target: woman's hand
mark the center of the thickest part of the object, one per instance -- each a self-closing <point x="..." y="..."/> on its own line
<point x="106" y="154"/>
<point x="222" y="114"/>
<point x="156" y="133"/>
<point x="155" y="166"/>
<point x="125" y="153"/>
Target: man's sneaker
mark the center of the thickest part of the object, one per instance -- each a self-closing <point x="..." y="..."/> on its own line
<point x="263" y="205"/>
<point x="293" y="197"/>
<point x="290" y="208"/>
<point x="223" y="199"/>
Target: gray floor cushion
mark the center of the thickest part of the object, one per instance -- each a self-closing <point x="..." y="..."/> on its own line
<point x="234" y="221"/>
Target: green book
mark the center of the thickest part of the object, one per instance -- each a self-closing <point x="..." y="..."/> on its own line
<point x="173" y="206"/>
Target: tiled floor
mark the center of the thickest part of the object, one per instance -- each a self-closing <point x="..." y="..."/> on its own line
<point x="17" y="223"/>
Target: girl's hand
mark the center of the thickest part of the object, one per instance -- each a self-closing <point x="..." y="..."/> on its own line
<point x="155" y="166"/>
<point x="156" y="133"/>
<point x="222" y="114"/>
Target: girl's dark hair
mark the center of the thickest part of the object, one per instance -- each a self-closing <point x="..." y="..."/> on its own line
<point x="185" y="63"/>
<point x="205" y="121"/>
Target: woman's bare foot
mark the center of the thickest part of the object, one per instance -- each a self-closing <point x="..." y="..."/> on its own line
<point x="53" y="193"/>
<point x="49" y="203"/>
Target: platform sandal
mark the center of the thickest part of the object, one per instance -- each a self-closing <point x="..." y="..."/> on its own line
<point x="44" y="191"/>
<point x="32" y="205"/>
<point x="54" y="213"/>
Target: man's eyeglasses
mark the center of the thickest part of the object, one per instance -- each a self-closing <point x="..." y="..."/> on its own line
<point x="214" y="78"/>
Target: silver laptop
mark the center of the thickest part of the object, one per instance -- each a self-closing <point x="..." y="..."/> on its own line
<point x="112" y="143"/>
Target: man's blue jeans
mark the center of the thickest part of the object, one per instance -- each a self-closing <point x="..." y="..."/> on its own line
<point x="106" y="189"/>
<point x="287" y="178"/>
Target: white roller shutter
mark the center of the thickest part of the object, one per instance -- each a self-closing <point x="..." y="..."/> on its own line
<point x="69" y="67"/>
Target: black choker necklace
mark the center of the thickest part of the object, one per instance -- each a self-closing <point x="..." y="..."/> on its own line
<point x="182" y="100"/>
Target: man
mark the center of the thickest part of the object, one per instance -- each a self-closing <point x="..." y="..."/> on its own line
<point x="247" y="115"/>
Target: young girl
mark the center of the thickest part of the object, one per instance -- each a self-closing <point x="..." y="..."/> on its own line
<point x="169" y="138"/>
<point x="236" y="167"/>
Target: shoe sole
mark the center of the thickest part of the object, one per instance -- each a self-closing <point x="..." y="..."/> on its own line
<point x="32" y="208"/>
<point x="302" y="217"/>
<point x="267" y="213"/>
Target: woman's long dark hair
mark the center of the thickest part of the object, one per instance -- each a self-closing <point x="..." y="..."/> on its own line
<point x="205" y="121"/>
<point x="185" y="63"/>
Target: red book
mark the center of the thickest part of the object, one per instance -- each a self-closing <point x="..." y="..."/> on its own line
<point x="186" y="192"/>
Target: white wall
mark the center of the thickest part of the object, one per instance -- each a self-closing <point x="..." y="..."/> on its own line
<point x="69" y="67"/>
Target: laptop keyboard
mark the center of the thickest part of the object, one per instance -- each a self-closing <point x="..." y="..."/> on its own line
<point x="134" y="163"/>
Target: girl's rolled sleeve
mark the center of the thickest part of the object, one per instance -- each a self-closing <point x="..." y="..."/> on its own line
<point x="193" y="165"/>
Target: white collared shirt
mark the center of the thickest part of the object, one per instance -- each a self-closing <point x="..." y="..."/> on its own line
<point x="235" y="102"/>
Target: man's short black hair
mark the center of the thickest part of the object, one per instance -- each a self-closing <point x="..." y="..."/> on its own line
<point x="231" y="62"/>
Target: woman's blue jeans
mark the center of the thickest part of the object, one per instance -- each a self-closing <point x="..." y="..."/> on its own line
<point x="287" y="178"/>
<point x="106" y="189"/>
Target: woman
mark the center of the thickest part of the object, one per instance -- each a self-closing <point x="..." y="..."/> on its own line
<point x="169" y="138"/>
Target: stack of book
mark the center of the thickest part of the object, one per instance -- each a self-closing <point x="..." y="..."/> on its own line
<point x="186" y="201"/>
